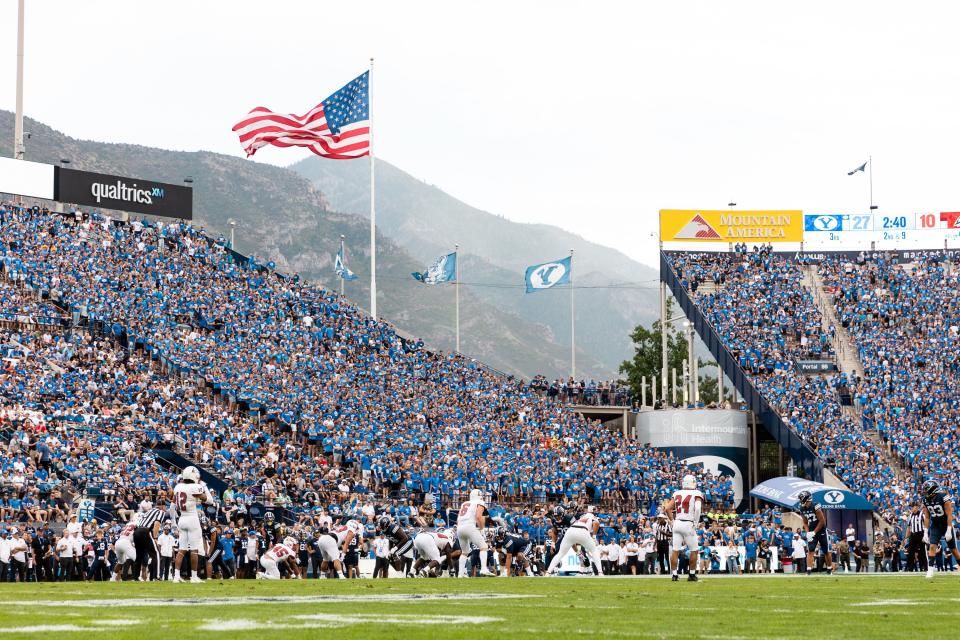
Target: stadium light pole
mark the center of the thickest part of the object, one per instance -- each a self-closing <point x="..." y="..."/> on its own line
<point x="18" y="121"/>
<point x="233" y="225"/>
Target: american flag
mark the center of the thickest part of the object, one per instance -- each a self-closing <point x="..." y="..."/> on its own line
<point x="338" y="127"/>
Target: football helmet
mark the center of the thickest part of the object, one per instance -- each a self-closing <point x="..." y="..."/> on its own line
<point x="190" y="473"/>
<point x="689" y="482"/>
<point x="290" y="541"/>
<point x="559" y="511"/>
<point x="384" y="522"/>
<point x="930" y="488"/>
<point x="804" y="497"/>
<point x="476" y="495"/>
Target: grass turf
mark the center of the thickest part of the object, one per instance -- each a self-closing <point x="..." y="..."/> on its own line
<point x="761" y="607"/>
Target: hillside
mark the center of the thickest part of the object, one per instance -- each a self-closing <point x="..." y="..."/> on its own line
<point x="281" y="217"/>
<point x="495" y="252"/>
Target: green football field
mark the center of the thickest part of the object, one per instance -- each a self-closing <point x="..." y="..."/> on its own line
<point x="716" y="607"/>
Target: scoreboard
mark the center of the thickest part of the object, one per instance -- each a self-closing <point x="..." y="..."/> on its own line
<point x="926" y="227"/>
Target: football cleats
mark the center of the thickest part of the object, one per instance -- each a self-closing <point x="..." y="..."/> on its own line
<point x="190" y="473"/>
<point x="689" y="482"/>
<point x="804" y="497"/>
<point x="930" y="488"/>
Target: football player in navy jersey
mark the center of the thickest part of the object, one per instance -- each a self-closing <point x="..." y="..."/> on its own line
<point x="401" y="544"/>
<point x="99" y="570"/>
<point x="515" y="548"/>
<point x="938" y="522"/>
<point x="815" y="528"/>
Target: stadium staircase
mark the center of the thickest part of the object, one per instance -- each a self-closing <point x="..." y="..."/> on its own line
<point x="805" y="458"/>
<point x="848" y="362"/>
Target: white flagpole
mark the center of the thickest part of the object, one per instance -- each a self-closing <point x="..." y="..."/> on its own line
<point x="870" y="162"/>
<point x="18" y="117"/>
<point x="456" y="253"/>
<point x="573" y="325"/>
<point x="373" y="209"/>
<point x="343" y="257"/>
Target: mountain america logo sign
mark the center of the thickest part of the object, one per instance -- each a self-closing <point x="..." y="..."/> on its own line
<point x="697" y="229"/>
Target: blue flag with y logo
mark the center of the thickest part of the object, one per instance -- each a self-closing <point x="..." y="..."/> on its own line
<point x="548" y="274"/>
<point x="443" y="269"/>
<point x="341" y="268"/>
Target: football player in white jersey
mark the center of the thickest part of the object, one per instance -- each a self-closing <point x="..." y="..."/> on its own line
<point x="582" y="532"/>
<point x="431" y="546"/>
<point x="281" y="552"/>
<point x="125" y="551"/>
<point x="188" y="493"/>
<point x="471" y="521"/>
<point x="683" y="510"/>
<point x="335" y="544"/>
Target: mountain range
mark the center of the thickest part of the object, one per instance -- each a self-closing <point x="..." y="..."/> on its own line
<point x="295" y="217"/>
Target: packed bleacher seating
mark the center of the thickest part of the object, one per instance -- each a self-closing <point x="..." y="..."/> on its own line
<point x="905" y="321"/>
<point x="316" y="403"/>
<point x="768" y="320"/>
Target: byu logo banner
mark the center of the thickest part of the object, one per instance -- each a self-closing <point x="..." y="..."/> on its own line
<point x="444" y="269"/>
<point x="341" y="268"/>
<point x="548" y="274"/>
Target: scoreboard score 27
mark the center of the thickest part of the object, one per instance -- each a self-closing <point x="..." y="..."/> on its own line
<point x="926" y="226"/>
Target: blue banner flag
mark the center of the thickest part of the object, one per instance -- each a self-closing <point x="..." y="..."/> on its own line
<point x="861" y="168"/>
<point x="548" y="274"/>
<point x="444" y="269"/>
<point x="341" y="268"/>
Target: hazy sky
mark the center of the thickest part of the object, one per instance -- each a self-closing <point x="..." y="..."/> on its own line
<point x="588" y="115"/>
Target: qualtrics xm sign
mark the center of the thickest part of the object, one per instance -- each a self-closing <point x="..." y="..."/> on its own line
<point x="124" y="194"/>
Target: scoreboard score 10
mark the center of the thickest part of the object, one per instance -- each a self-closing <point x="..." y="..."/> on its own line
<point x="924" y="227"/>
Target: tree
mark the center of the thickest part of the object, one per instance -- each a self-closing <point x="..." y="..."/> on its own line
<point x="647" y="357"/>
<point x="648" y="360"/>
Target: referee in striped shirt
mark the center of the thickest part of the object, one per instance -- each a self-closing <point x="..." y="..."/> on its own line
<point x="916" y="556"/>
<point x="664" y="533"/>
<point x="149" y="520"/>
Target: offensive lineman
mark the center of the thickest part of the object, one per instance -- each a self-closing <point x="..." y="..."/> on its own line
<point x="335" y="544"/>
<point x="188" y="493"/>
<point x="938" y="523"/>
<point x="683" y="511"/>
<point x="431" y="546"/>
<point x="815" y="526"/>
<point x="471" y="520"/>
<point x="125" y="551"/>
<point x="582" y="532"/>
<point x="280" y="552"/>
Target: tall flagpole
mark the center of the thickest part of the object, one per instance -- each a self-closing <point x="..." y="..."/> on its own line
<point x="343" y="257"/>
<point x="573" y="325"/>
<point x="456" y="253"/>
<point x="870" y="162"/>
<point x="18" y="118"/>
<point x="373" y="209"/>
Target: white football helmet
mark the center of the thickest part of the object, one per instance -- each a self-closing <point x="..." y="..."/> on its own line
<point x="689" y="482"/>
<point x="290" y="541"/>
<point x="190" y="473"/>
<point x="476" y="495"/>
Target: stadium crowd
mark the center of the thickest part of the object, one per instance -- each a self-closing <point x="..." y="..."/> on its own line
<point x="905" y="322"/>
<point x="118" y="333"/>
<point x="769" y="320"/>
